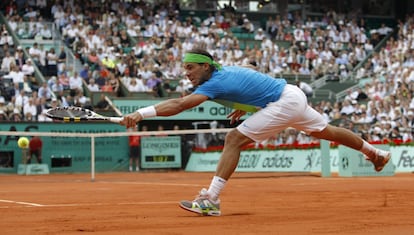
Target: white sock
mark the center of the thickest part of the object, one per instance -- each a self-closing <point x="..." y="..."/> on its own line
<point x="368" y="149"/>
<point x="217" y="184"/>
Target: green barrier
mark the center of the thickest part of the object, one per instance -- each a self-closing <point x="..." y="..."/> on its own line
<point x="353" y="163"/>
<point x="33" y="169"/>
<point x="67" y="154"/>
<point x="161" y="152"/>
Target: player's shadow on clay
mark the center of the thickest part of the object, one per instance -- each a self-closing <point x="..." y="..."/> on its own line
<point x="275" y="176"/>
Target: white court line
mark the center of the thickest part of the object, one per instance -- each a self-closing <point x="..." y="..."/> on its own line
<point x="88" y="204"/>
<point x="21" y="203"/>
<point x="151" y="183"/>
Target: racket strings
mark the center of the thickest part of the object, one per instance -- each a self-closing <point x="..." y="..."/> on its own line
<point x="71" y="112"/>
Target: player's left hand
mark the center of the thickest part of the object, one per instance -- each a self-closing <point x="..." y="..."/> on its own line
<point x="236" y="115"/>
<point x="131" y="120"/>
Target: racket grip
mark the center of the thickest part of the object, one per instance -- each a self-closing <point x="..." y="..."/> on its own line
<point x="115" y="119"/>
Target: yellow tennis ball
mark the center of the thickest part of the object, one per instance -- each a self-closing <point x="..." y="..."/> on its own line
<point x="23" y="142"/>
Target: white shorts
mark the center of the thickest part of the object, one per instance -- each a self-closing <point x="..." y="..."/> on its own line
<point x="291" y="110"/>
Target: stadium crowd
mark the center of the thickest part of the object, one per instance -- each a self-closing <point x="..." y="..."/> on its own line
<point x="140" y="46"/>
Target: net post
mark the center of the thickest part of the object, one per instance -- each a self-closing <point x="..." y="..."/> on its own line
<point x="92" y="158"/>
<point x="325" y="159"/>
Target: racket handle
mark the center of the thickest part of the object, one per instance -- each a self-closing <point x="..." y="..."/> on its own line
<point x="115" y="119"/>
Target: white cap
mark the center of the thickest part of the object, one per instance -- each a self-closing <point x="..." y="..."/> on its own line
<point x="2" y="100"/>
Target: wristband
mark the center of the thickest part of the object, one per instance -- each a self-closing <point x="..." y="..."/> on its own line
<point x="147" y="112"/>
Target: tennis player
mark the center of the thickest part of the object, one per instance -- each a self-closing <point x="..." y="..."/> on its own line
<point x="276" y="106"/>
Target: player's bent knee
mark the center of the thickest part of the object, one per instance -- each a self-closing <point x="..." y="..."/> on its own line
<point x="235" y="138"/>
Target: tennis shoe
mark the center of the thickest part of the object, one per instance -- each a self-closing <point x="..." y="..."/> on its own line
<point x="380" y="159"/>
<point x="202" y="205"/>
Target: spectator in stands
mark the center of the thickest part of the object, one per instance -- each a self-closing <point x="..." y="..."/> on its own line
<point x="153" y="81"/>
<point x="3" y="106"/>
<point x="92" y="86"/>
<point x="35" y="52"/>
<point x="8" y="59"/>
<point x="3" y="116"/>
<point x="114" y="83"/>
<point x="28" y="68"/>
<point x="52" y="61"/>
<point x="75" y="81"/>
<point x="43" y="118"/>
<point x="137" y="85"/>
<point x="247" y="26"/>
<point x="16" y="116"/>
<point x="6" y="39"/>
<point x="64" y="80"/>
<point x="45" y="33"/>
<point x="259" y="35"/>
<point x="85" y="73"/>
<point x="61" y="61"/>
<point x="121" y="66"/>
<point x="80" y="99"/>
<point x="102" y="103"/>
<point x="45" y="91"/>
<point x="107" y="86"/>
<point x="29" y="109"/>
<point x="19" y="56"/>
<point x="15" y="74"/>
<point x="347" y="107"/>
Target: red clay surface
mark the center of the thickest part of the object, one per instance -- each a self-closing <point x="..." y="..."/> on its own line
<point x="252" y="203"/>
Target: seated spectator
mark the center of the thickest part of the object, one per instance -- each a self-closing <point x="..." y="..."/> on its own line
<point x="64" y="80"/>
<point x="153" y="81"/>
<point x="114" y="83"/>
<point x="84" y="73"/>
<point x="16" y="116"/>
<point x="3" y="106"/>
<point x="45" y="91"/>
<point x="102" y="103"/>
<point x="247" y="26"/>
<point x="259" y="35"/>
<point x="43" y="118"/>
<point x="35" y="53"/>
<point x="107" y="87"/>
<point x="51" y="64"/>
<point x="57" y="87"/>
<point x="92" y="86"/>
<point x="75" y="81"/>
<point x="136" y="85"/>
<point x="15" y="74"/>
<point x="44" y="32"/>
<point x="6" y="63"/>
<point x="28" y="68"/>
<point x="80" y="99"/>
<point x="6" y="39"/>
<point x="29" y="109"/>
<point x="3" y="116"/>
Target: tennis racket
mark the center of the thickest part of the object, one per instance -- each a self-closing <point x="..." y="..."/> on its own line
<point x="77" y="114"/>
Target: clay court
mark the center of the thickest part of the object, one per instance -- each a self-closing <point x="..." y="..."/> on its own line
<point x="252" y="203"/>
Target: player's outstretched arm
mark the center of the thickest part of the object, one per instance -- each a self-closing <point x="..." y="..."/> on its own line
<point x="165" y="108"/>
